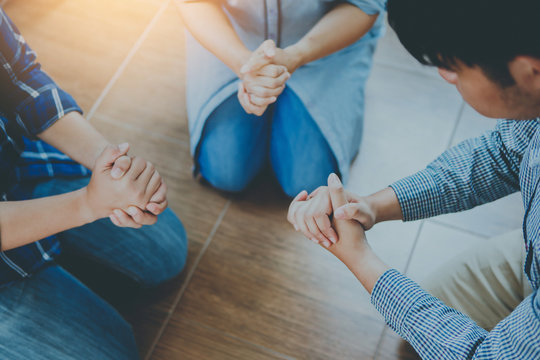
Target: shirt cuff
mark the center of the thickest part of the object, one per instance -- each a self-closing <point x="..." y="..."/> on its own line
<point x="418" y="196"/>
<point x="38" y="112"/>
<point x="393" y="296"/>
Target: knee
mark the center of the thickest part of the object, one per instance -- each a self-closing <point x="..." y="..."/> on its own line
<point x="293" y="183"/>
<point x="167" y="254"/>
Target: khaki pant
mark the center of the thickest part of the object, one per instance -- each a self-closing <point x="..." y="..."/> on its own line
<point x="486" y="282"/>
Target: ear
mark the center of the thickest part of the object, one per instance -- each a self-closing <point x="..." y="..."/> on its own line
<point x="526" y="72"/>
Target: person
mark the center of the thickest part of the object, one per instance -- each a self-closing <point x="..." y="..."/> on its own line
<point x="265" y="85"/>
<point x="484" y="304"/>
<point x="45" y="312"/>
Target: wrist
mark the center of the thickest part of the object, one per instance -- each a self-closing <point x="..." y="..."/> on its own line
<point x="87" y="210"/>
<point x="367" y="267"/>
<point x="241" y="58"/>
<point x="297" y="55"/>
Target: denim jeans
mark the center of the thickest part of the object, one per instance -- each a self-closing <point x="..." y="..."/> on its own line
<point x="235" y="146"/>
<point x="52" y="315"/>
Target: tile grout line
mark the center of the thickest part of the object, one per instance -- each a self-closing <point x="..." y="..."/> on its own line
<point x="456" y="126"/>
<point x="239" y="339"/>
<point x="379" y="343"/>
<point x="127" y="60"/>
<point x="187" y="280"/>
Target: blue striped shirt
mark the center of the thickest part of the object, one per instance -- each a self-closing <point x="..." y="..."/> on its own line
<point x="30" y="102"/>
<point x="474" y="172"/>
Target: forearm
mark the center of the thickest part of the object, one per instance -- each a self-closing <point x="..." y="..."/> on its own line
<point x="385" y="205"/>
<point x="330" y="35"/>
<point x="211" y="27"/>
<point x="366" y="266"/>
<point x="23" y="222"/>
<point x="77" y="138"/>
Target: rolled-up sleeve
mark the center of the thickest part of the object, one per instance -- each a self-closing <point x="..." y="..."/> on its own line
<point x="370" y="7"/>
<point x="27" y="93"/>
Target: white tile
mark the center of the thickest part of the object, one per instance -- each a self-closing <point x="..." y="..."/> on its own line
<point x="436" y="245"/>
<point x="472" y="124"/>
<point x="393" y="242"/>
<point x="408" y="122"/>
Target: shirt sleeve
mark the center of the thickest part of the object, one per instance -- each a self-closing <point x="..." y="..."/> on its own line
<point x="370" y="7"/>
<point x="27" y="93"/>
<point x="474" y="172"/>
<point x="437" y="331"/>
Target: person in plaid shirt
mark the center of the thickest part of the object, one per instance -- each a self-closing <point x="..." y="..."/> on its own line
<point x="484" y="304"/>
<point x="51" y="201"/>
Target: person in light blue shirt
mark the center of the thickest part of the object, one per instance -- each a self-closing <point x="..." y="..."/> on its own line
<point x="277" y="82"/>
<point x="485" y="303"/>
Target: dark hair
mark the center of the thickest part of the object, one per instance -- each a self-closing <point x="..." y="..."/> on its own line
<point x="484" y="33"/>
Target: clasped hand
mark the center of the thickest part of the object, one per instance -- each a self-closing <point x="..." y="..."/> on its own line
<point x="128" y="190"/>
<point x="264" y="75"/>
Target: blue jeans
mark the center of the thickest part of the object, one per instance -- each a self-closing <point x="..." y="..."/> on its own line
<point x="52" y="315"/>
<point x="235" y="146"/>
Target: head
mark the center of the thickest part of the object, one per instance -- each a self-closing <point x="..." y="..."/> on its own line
<point x="488" y="49"/>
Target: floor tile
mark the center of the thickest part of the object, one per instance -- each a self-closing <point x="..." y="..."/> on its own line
<point x="408" y="122"/>
<point x="150" y="94"/>
<point x="197" y="206"/>
<point x="191" y="340"/>
<point x="492" y="219"/>
<point x="81" y="43"/>
<point x="278" y="290"/>
<point x="436" y="245"/>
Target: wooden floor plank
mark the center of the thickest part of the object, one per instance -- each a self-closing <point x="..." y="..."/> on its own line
<point x="81" y="43"/>
<point x="263" y="283"/>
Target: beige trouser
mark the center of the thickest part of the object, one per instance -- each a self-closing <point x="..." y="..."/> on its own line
<point x="486" y="282"/>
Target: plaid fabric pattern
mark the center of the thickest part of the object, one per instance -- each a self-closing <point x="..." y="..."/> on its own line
<point x="30" y="102"/>
<point x="472" y="173"/>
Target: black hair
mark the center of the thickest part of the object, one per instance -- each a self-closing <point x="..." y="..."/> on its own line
<point x="484" y="33"/>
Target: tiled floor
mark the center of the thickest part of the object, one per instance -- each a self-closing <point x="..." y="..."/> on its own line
<point x="253" y="288"/>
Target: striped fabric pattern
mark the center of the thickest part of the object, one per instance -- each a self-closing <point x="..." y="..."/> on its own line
<point x="472" y="173"/>
<point x="30" y="102"/>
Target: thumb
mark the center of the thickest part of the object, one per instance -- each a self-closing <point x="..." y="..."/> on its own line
<point x="269" y="48"/>
<point x="337" y="193"/>
<point x="110" y="154"/>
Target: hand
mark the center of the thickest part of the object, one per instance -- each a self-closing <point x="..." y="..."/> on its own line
<point x="135" y="189"/>
<point x="261" y="88"/>
<point x="311" y="214"/>
<point x="352" y="242"/>
<point x="135" y="217"/>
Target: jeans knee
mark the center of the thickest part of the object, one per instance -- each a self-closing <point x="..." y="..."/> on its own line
<point x="167" y="254"/>
<point x="230" y="181"/>
<point x="294" y="184"/>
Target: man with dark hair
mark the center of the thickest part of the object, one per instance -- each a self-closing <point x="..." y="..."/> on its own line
<point x="484" y="304"/>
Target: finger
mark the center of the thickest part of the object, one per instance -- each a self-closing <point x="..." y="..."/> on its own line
<point x="260" y="102"/>
<point x="315" y="232"/>
<point x="120" y="167"/>
<point x="347" y="212"/>
<point x="323" y="222"/>
<point x="160" y="195"/>
<point x="140" y="217"/>
<point x="337" y="193"/>
<point x="114" y="220"/>
<point x="110" y="154"/>
<point x="272" y="82"/>
<point x="315" y="192"/>
<point x="137" y="168"/>
<point x="302" y="195"/>
<point x="157" y="209"/>
<point x="272" y="71"/>
<point x="260" y="57"/>
<point x="125" y="220"/>
<point x="249" y="108"/>
<point x="147" y="174"/>
<point x="264" y="92"/>
<point x="153" y="184"/>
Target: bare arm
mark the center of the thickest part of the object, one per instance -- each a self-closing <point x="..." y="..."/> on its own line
<point x="330" y="35"/>
<point x="209" y="24"/>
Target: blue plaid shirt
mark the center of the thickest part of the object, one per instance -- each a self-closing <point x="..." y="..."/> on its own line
<point x="30" y="102"/>
<point x="475" y="172"/>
